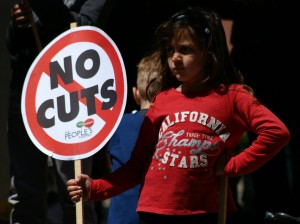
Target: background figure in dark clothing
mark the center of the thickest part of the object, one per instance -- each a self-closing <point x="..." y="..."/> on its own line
<point x="254" y="52"/>
<point x="29" y="166"/>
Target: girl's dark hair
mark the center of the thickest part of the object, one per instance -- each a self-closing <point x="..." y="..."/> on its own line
<point x="205" y="27"/>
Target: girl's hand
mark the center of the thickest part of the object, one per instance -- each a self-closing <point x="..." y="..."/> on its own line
<point x="21" y="15"/>
<point x="79" y="188"/>
<point x="221" y="163"/>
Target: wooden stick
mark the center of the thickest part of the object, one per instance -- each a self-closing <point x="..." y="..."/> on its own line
<point x="79" y="205"/>
<point x="222" y="199"/>
<point x="78" y="170"/>
<point x="34" y="30"/>
<point x="73" y="25"/>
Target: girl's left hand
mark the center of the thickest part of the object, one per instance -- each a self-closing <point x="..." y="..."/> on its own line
<point x="221" y="163"/>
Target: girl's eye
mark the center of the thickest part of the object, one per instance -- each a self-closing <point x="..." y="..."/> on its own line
<point x="170" y="51"/>
<point x="185" y="50"/>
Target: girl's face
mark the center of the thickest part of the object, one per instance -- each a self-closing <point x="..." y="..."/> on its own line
<point x="185" y="60"/>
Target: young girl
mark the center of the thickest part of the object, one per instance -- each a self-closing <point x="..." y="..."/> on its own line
<point x="190" y="130"/>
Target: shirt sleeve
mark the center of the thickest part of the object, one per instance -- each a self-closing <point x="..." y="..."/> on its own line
<point x="272" y="136"/>
<point x="132" y="172"/>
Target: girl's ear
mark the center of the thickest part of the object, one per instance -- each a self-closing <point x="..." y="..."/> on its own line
<point x="136" y="95"/>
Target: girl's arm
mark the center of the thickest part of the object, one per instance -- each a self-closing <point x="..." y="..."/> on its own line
<point x="272" y="136"/>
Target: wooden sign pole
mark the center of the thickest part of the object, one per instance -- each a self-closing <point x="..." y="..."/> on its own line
<point x="222" y="199"/>
<point x="79" y="205"/>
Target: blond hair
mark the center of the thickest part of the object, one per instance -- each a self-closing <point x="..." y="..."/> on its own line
<point x="148" y="70"/>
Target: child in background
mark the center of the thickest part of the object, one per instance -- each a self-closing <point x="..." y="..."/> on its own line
<point x="122" y="207"/>
<point x="191" y="129"/>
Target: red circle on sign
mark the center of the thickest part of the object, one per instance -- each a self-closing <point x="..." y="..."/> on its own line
<point x="112" y="116"/>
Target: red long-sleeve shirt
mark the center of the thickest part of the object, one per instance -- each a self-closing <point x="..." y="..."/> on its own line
<point x="179" y="142"/>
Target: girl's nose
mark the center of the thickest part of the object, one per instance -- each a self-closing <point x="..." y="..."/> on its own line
<point x="176" y="56"/>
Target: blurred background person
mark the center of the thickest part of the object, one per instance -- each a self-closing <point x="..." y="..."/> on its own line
<point x="29" y="166"/>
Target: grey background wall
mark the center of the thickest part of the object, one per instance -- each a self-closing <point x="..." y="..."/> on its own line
<point x="4" y="80"/>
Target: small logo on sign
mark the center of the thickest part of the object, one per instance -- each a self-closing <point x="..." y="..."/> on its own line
<point x="87" y="123"/>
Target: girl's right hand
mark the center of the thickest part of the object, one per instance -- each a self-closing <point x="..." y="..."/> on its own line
<point x="79" y="188"/>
